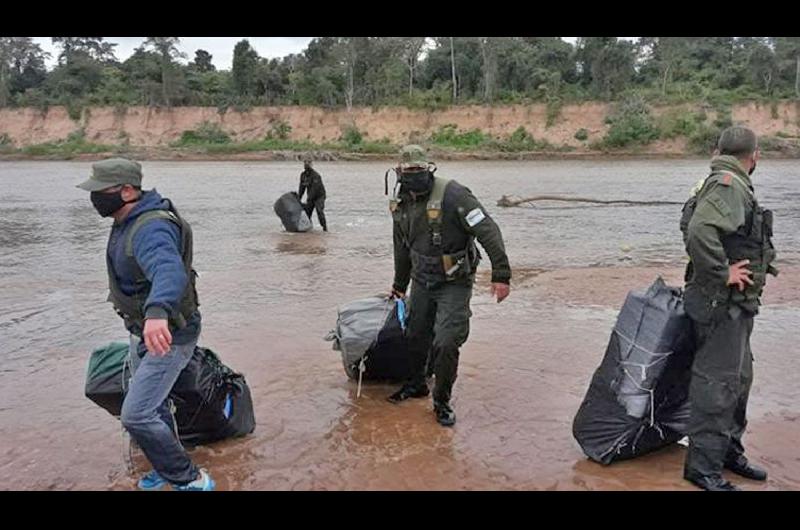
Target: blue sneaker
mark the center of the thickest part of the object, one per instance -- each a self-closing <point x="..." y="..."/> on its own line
<point x="202" y="483"/>
<point x="152" y="481"/>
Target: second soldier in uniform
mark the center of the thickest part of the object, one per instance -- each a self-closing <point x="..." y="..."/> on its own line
<point x="436" y="222"/>
<point x="728" y="239"/>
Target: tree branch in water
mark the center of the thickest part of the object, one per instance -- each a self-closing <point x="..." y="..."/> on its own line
<point x="510" y="201"/>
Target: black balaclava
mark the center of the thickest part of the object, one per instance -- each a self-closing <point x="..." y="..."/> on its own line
<point x="417" y="181"/>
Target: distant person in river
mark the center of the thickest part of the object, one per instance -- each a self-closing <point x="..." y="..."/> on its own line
<point x="152" y="287"/>
<point x="312" y="181"/>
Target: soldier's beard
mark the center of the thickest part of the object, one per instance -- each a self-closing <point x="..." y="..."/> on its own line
<point x="752" y="168"/>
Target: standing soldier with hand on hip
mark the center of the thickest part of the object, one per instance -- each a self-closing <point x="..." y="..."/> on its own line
<point x="436" y="222"/>
<point x="728" y="239"/>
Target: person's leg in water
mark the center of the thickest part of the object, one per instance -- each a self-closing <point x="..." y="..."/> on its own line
<point x="451" y="330"/>
<point x="421" y="314"/>
<point x="146" y="416"/>
<point x="319" y="204"/>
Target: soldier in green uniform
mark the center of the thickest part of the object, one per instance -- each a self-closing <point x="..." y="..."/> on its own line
<point x="728" y="239"/>
<point x="436" y="222"/>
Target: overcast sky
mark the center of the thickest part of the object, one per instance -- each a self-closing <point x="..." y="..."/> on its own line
<point x="221" y="48"/>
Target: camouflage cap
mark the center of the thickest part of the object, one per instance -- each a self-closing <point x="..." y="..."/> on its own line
<point x="113" y="172"/>
<point x="737" y="141"/>
<point x="413" y="156"/>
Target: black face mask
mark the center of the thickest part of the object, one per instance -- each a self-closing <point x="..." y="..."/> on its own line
<point x="752" y="168"/>
<point x="107" y="203"/>
<point x="417" y="181"/>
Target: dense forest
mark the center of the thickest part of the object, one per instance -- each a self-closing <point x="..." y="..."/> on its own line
<point x="419" y="72"/>
<point x="708" y="73"/>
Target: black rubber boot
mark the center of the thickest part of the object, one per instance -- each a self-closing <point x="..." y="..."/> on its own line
<point x="745" y="469"/>
<point x="710" y="482"/>
<point x="444" y="414"/>
<point x="409" y="391"/>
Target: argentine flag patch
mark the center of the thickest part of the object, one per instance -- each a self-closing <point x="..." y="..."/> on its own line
<point x="475" y="216"/>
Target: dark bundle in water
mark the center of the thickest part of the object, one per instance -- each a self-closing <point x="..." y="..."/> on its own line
<point x="212" y="401"/>
<point x="290" y="210"/>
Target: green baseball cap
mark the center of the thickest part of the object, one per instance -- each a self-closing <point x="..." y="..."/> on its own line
<point x="113" y="172"/>
<point x="413" y="156"/>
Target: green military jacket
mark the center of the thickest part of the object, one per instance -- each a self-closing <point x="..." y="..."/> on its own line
<point x="727" y="226"/>
<point x="463" y="220"/>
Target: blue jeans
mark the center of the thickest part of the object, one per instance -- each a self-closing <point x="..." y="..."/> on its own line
<point x="146" y="414"/>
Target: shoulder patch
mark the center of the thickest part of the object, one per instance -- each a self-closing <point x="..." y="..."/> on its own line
<point x="719" y="205"/>
<point x="726" y="180"/>
<point x="475" y="216"/>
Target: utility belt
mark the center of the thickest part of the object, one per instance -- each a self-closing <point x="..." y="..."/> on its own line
<point x="432" y="271"/>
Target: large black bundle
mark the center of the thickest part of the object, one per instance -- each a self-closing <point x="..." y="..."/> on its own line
<point x="637" y="401"/>
<point x="370" y="331"/>
<point x="290" y="210"/>
<point x="212" y="401"/>
<point x="387" y="358"/>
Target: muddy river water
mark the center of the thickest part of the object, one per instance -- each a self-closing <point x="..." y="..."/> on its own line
<point x="269" y="297"/>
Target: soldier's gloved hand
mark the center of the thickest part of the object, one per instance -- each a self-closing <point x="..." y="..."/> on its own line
<point x="501" y="291"/>
<point x="394" y="293"/>
<point x="739" y="274"/>
<point x="156" y="335"/>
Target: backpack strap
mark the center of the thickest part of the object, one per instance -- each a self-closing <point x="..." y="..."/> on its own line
<point x="435" y="209"/>
<point x="145" y="218"/>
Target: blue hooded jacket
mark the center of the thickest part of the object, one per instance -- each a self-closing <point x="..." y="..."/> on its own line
<point x="157" y="251"/>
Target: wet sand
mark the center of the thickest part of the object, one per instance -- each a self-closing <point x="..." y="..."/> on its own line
<point x="520" y="383"/>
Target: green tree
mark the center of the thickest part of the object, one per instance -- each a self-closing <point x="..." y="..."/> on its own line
<point x="463" y="58"/>
<point x="411" y="48"/>
<point x="787" y="52"/>
<point x="21" y="66"/>
<point x="168" y="51"/>
<point x="95" y="47"/>
<point x="143" y="71"/>
<point x="607" y="64"/>
<point x="245" y="66"/>
<point x="664" y="59"/>
<point x="760" y="62"/>
<point x="202" y="61"/>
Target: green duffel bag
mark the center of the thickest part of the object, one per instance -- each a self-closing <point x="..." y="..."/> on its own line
<point x="107" y="375"/>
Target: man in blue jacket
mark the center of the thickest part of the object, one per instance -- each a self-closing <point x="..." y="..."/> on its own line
<point x="152" y="286"/>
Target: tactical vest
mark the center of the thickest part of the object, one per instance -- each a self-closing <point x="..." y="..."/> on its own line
<point x="131" y="308"/>
<point x="752" y="241"/>
<point x="438" y="268"/>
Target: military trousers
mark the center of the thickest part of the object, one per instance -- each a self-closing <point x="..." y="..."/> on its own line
<point x="722" y="374"/>
<point x="438" y="325"/>
<point x="317" y="203"/>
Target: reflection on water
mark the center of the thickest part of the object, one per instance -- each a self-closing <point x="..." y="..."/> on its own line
<point x="300" y="244"/>
<point x="269" y="297"/>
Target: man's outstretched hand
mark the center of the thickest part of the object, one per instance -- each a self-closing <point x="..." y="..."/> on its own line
<point x="501" y="291"/>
